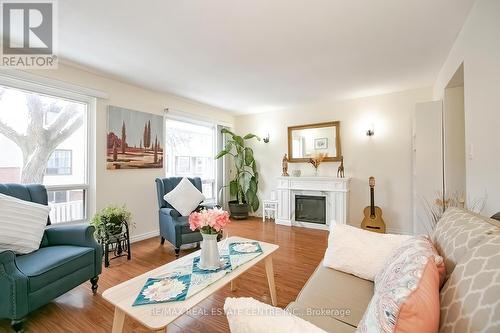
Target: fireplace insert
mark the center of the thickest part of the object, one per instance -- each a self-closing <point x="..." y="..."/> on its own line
<point x="309" y="208"/>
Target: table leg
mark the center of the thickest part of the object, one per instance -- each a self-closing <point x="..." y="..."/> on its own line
<point x="163" y="330"/>
<point x="270" y="279"/>
<point x="233" y="285"/>
<point x="118" y="320"/>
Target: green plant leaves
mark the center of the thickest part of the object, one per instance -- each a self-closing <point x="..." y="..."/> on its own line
<point x="251" y="194"/>
<point x="254" y="168"/>
<point x="229" y="145"/>
<point x="109" y="221"/>
<point x="233" y="188"/>
<point x="239" y="161"/>
<point x="221" y="153"/>
<point x="250" y="135"/>
<point x="239" y="140"/>
<point x="245" y="179"/>
<point x="253" y="185"/>
<point x="226" y="131"/>
<point x="249" y="156"/>
<point x="255" y="203"/>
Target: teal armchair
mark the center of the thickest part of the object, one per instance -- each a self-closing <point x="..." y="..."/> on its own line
<point x="174" y="227"/>
<point x="67" y="257"/>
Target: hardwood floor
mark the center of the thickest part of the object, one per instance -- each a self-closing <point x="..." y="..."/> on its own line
<point x="79" y="311"/>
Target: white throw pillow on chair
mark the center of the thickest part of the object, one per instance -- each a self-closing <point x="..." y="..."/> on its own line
<point x="359" y="252"/>
<point x="185" y="197"/>
<point x="22" y="224"/>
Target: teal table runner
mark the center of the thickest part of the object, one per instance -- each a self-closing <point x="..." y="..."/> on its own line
<point x="188" y="278"/>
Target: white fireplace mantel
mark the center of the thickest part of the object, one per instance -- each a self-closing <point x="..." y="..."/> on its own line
<point x="335" y="190"/>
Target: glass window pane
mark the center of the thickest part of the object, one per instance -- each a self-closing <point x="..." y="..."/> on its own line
<point x="190" y="153"/>
<point x="66" y="206"/>
<point x="43" y="138"/>
<point x="60" y="162"/>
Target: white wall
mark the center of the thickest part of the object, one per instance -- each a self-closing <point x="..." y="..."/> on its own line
<point x="427" y="163"/>
<point x="454" y="146"/>
<point x="478" y="47"/>
<point x="386" y="155"/>
<point x="134" y="188"/>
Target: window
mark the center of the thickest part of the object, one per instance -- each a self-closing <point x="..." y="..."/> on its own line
<point x="200" y="165"/>
<point x="182" y="165"/>
<point x="57" y="196"/>
<point x="44" y="139"/>
<point x="190" y="151"/>
<point x="60" y="162"/>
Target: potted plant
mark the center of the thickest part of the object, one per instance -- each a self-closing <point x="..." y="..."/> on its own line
<point x="109" y="222"/>
<point x="246" y="179"/>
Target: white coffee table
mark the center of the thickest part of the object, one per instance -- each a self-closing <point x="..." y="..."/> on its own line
<point x="157" y="316"/>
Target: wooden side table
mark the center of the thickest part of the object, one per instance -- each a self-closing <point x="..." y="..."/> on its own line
<point x="269" y="209"/>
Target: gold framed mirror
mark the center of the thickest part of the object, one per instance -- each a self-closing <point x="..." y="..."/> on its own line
<point x="305" y="141"/>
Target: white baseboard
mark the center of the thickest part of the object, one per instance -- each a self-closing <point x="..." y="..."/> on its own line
<point x="151" y="234"/>
<point x="283" y="222"/>
<point x="310" y="225"/>
<point x="390" y="230"/>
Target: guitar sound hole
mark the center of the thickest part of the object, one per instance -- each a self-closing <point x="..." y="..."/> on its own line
<point x="371" y="227"/>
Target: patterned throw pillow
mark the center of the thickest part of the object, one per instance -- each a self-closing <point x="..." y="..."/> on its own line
<point x="406" y="296"/>
<point x="456" y="233"/>
<point x="470" y="299"/>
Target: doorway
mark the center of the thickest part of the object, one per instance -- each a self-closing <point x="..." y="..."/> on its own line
<point x="454" y="164"/>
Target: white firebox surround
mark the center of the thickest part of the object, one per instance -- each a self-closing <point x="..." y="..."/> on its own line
<point x="336" y="191"/>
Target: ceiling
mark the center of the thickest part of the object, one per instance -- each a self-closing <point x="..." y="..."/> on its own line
<point x="263" y="55"/>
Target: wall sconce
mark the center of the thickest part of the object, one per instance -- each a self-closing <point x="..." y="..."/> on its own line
<point x="266" y="138"/>
<point x="370" y="131"/>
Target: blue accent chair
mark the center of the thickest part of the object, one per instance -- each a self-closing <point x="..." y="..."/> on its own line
<point x="67" y="257"/>
<point x="173" y="226"/>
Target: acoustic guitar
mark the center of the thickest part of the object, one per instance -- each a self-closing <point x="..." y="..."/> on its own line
<point x="373" y="214"/>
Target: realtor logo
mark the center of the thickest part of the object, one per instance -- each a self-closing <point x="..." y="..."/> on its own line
<point x="28" y="34"/>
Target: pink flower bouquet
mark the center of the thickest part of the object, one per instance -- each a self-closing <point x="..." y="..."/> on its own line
<point x="209" y="221"/>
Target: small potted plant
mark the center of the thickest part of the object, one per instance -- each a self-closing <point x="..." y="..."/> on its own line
<point x="210" y="223"/>
<point x="110" y="221"/>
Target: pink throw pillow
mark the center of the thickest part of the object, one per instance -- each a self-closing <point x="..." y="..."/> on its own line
<point x="406" y="297"/>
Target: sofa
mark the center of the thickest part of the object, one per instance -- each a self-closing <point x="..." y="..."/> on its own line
<point x="68" y="256"/>
<point x="470" y="245"/>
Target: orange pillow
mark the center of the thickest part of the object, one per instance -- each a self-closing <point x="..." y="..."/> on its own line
<point x="420" y="311"/>
<point x="406" y="297"/>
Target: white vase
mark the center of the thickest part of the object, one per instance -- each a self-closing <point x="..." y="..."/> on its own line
<point x="209" y="257"/>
